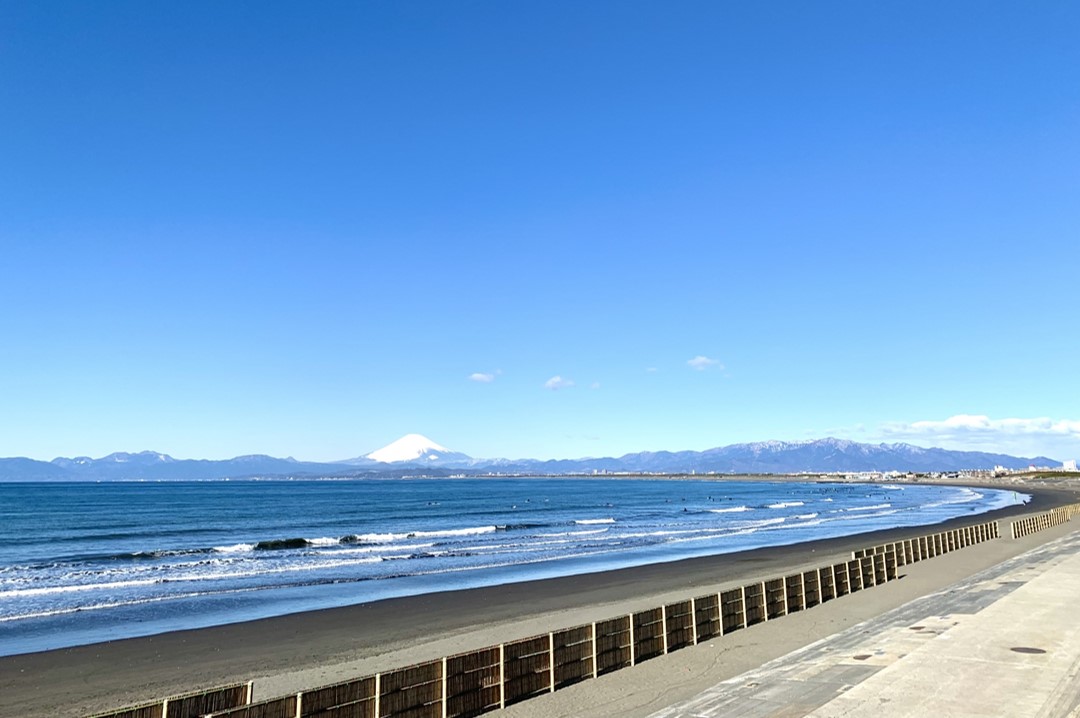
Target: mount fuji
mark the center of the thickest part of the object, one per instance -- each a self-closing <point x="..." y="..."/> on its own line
<point x="415" y="449"/>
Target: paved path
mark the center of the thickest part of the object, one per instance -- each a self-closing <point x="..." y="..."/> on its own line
<point x="1005" y="642"/>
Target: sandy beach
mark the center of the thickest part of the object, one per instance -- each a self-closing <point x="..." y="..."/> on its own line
<point x="288" y="653"/>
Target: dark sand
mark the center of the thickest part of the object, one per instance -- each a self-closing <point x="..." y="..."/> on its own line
<point x="288" y="653"/>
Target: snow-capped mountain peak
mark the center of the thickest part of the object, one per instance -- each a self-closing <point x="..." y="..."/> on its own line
<point x="409" y="448"/>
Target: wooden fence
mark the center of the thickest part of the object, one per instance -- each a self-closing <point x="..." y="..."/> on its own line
<point x="1043" y="521"/>
<point x="189" y="705"/>
<point x="923" y="547"/>
<point x="479" y="681"/>
<point x="469" y="684"/>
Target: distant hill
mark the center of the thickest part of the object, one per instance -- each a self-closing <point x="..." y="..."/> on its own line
<point x="154" y="466"/>
<point x="414" y="454"/>
<point x="823" y="455"/>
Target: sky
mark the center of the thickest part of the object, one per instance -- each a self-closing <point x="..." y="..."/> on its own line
<point x="555" y="229"/>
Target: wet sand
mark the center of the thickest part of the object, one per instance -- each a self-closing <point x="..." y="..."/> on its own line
<point x="288" y="653"/>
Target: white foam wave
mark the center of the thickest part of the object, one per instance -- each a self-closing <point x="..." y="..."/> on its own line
<point x="441" y="533"/>
<point x="24" y="592"/>
<point x="235" y="548"/>
<point x="863" y="516"/>
<point x="290" y="568"/>
<point x="173" y="579"/>
<point x="875" y="507"/>
<point x="119" y="604"/>
<point x="474" y="531"/>
<point x="374" y="549"/>
<point x="786" y="504"/>
<point x="733" y="509"/>
<point x="761" y="523"/>
<point x="647" y="534"/>
<point x="966" y="496"/>
<point x="586" y="522"/>
<point x="589" y="532"/>
<point x="379" y="538"/>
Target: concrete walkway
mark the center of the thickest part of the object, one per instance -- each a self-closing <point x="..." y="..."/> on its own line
<point x="1005" y="642"/>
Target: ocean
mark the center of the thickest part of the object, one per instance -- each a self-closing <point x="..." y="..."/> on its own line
<point x="89" y="562"/>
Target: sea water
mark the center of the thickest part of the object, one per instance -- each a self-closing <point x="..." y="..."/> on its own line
<point x="82" y="563"/>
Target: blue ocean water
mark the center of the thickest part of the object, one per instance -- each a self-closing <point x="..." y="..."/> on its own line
<point x="82" y="563"/>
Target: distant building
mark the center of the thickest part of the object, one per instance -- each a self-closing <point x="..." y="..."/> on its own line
<point x="1069" y="465"/>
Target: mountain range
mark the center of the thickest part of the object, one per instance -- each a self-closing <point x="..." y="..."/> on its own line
<point x="414" y="454"/>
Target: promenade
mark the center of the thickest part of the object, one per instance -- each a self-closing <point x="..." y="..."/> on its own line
<point x="1004" y="642"/>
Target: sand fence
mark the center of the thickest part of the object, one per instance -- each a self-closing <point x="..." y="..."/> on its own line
<point x="190" y="704"/>
<point x="1041" y="522"/>
<point x="479" y="681"/>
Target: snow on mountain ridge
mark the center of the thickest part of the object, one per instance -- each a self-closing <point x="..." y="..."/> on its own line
<point x="408" y="448"/>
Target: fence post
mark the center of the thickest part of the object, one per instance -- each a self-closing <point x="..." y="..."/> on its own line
<point x="443" y="689"/>
<point x="378" y="687"/>
<point x="502" y="680"/>
<point x="594" y="650"/>
<point x="633" y="648"/>
<point x="693" y="616"/>
<point x="663" y="622"/>
<point x="551" y="661"/>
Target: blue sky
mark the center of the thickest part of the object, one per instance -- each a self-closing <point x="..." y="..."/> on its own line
<point x="307" y="229"/>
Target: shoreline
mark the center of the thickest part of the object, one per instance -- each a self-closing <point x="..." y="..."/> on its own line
<point x="319" y="647"/>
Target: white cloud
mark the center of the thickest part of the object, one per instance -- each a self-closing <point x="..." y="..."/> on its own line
<point x="557" y="382"/>
<point x="701" y="363"/>
<point x="594" y="385"/>
<point x="979" y="432"/>
<point x="481" y="377"/>
<point x="652" y="370"/>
